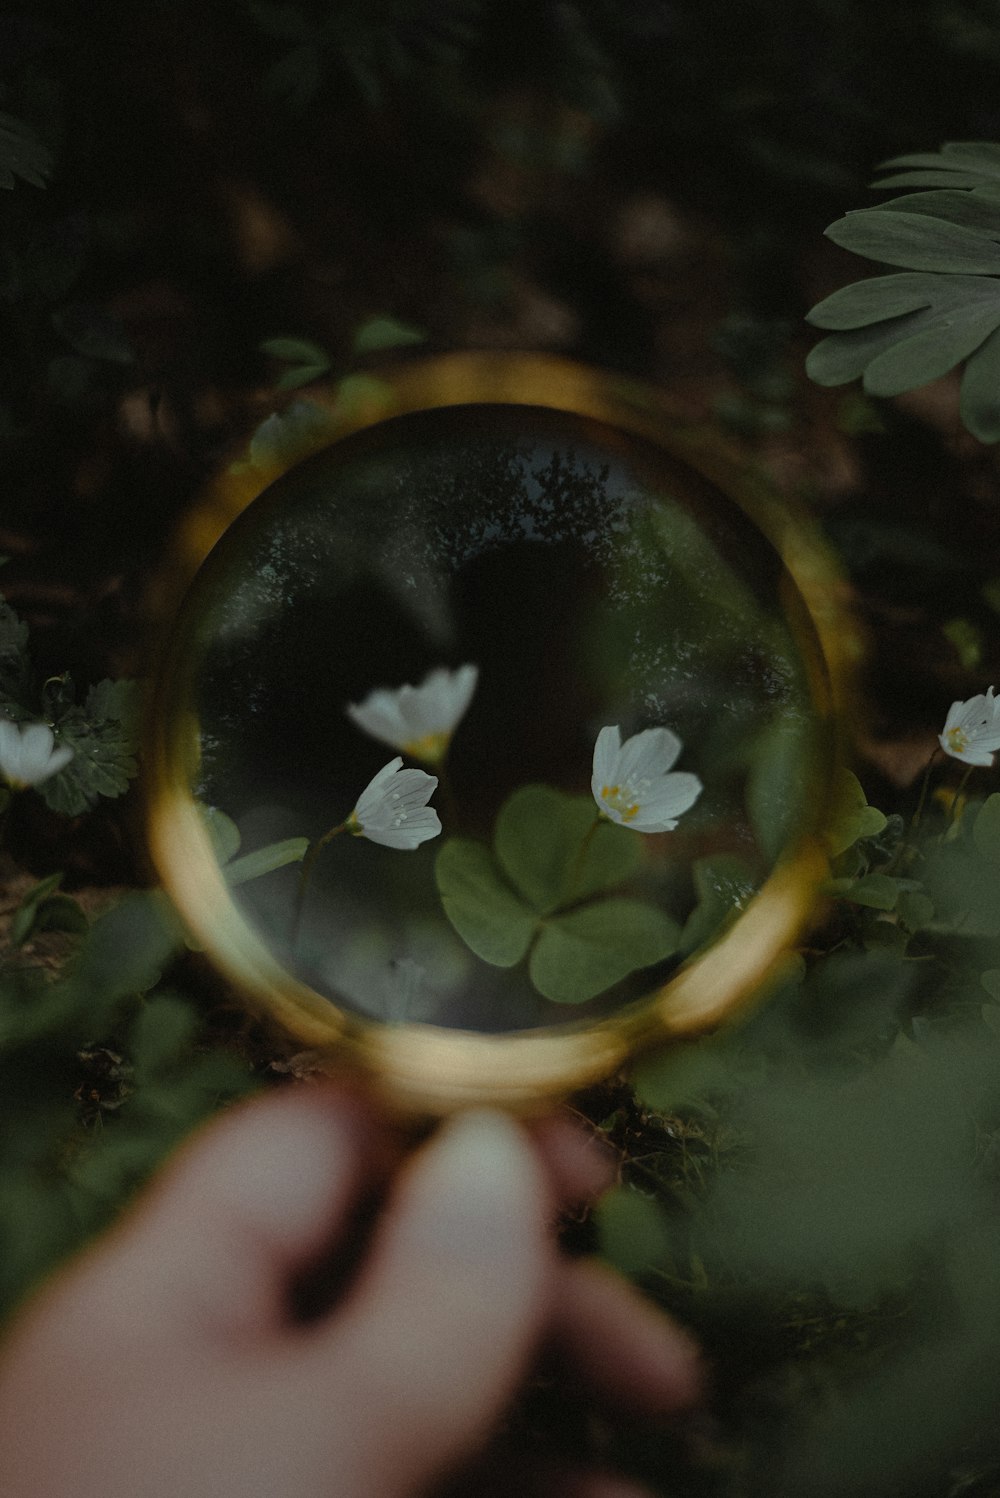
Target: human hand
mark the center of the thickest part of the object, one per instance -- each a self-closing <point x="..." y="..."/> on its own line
<point x="167" y="1362"/>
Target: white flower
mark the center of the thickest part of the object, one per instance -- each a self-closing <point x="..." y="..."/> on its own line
<point x="419" y="721"/>
<point x="972" y="729"/>
<point x="28" y="754"/>
<point x="392" y="809"/>
<point x="631" y="784"/>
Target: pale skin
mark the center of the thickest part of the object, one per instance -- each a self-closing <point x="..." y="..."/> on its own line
<point x="167" y="1363"/>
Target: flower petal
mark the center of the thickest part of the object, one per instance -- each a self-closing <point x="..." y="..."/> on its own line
<point x="659" y="811"/>
<point x="606" y="752"/>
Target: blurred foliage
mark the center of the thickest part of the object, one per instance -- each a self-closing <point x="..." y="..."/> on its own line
<point x="102" y="1072"/>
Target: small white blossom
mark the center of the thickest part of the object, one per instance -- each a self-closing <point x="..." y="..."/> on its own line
<point x="972" y="729"/>
<point x="392" y="809"/>
<point x="631" y="784"/>
<point x="28" y="754"/>
<point x="419" y="721"/>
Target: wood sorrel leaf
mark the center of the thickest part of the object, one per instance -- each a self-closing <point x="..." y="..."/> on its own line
<point x="851" y="817"/>
<point x="583" y="952"/>
<point x="723" y="882"/>
<point x="539" y="842"/>
<point x="264" y="860"/>
<point x="986" y="828"/>
<point x="487" y="914"/>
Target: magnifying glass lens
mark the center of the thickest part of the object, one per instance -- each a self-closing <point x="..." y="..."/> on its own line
<point x="500" y="714"/>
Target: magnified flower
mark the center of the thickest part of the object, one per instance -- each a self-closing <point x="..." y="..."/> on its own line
<point x="28" y="754"/>
<point x="392" y="809"/>
<point x="631" y="783"/>
<point x="419" y="721"/>
<point x="972" y="729"/>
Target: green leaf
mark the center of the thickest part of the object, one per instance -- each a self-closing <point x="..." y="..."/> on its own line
<point x="684" y="1073"/>
<point x="851" y="818"/>
<point x="723" y="883"/>
<point x="264" y="860"/>
<point x="876" y="891"/>
<point x="958" y="164"/>
<point x="967" y="640"/>
<point x="383" y="333"/>
<point x="979" y="398"/>
<point x="875" y="300"/>
<point x="986" y="830"/>
<point x="115" y="701"/>
<point x="916" y="242"/>
<point x="308" y="360"/>
<point x="926" y="354"/>
<point x="22" y="154"/>
<point x="991" y="982"/>
<point x="222" y="830"/>
<point x="632" y="1231"/>
<point x="161" y="1034"/>
<point x="915" y="909"/>
<point x="581" y="953"/>
<point x="13" y="631"/>
<point x="487" y="914"/>
<point x="974" y="210"/>
<point x="778" y="782"/>
<point x="61" y="913"/>
<point x="539" y="840"/>
<point x="24" y="916"/>
<point x="283" y="439"/>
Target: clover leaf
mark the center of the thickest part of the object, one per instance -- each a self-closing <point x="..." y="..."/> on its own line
<point x="527" y="893"/>
<point x="548" y="847"/>
<point x="488" y="915"/>
<point x="585" y="951"/>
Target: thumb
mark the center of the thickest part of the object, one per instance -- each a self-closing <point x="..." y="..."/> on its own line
<point x="436" y="1334"/>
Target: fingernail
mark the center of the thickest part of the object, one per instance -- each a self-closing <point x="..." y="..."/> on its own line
<point x="482" y="1177"/>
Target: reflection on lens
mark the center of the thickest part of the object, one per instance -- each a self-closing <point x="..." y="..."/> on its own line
<point x="498" y="715"/>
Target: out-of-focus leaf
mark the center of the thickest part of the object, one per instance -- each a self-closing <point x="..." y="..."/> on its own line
<point x="851" y="816"/>
<point x="986" y="832"/>
<point x="384" y="333"/>
<point x="991" y="982"/>
<point x="876" y="891"/>
<point x="265" y="860"/>
<point x="22" y="154"/>
<point x="979" y="404"/>
<point x="967" y="640"/>
<point x="632" y="1231"/>
<point x="308" y="360"/>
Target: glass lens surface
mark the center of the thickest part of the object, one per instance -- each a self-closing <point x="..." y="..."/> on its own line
<point x="580" y="640"/>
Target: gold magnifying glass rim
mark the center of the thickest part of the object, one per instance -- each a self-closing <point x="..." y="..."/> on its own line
<point x="424" y="1068"/>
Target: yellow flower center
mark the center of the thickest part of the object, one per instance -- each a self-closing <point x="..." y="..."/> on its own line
<point x="958" y="741"/>
<point x="619" y="799"/>
<point x="431" y="748"/>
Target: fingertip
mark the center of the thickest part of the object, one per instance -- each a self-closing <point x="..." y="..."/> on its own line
<point x="580" y="1161"/>
<point x="623" y="1347"/>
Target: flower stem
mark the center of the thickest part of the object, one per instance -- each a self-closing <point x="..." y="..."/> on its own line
<point x="581" y="859"/>
<point x="956" y="799"/>
<point x="308" y="864"/>
<point x="915" y="823"/>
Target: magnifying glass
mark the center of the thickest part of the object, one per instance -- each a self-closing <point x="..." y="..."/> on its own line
<point x="493" y="737"/>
